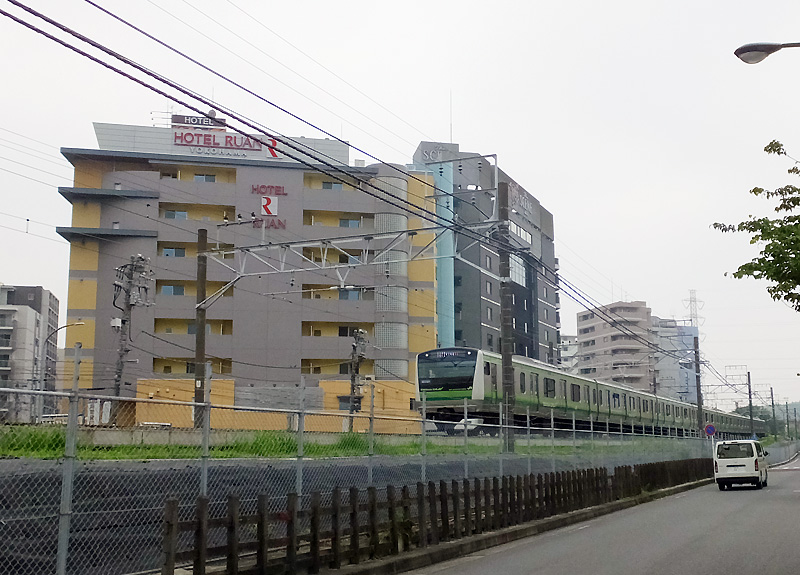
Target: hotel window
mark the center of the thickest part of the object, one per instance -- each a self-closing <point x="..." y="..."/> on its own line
<point x="489" y="288"/>
<point x="488" y="262"/>
<point x="172" y="290"/>
<point x="489" y="313"/>
<point x="331" y="185"/>
<point x="205" y="178"/>
<point x="174" y="252"/>
<point x="517" y="269"/>
<point x="191" y="328"/>
<point x="490" y="341"/>
<point x="349" y="223"/>
<point x="349" y="294"/>
<point x="175" y="215"/>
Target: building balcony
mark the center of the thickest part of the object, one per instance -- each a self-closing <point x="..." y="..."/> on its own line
<point x="216" y="345"/>
<point x="72" y="233"/>
<point x="326" y="347"/>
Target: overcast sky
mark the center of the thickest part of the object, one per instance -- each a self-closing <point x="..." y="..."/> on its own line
<point x="631" y="121"/>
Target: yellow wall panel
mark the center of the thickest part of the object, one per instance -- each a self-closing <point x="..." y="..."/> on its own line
<point x="82" y="294"/>
<point x="422" y="271"/>
<point x="86" y="214"/>
<point x="80" y="333"/>
<point x="89" y="175"/>
<point x="421" y="337"/>
<point x="84" y="255"/>
<point x="422" y="303"/>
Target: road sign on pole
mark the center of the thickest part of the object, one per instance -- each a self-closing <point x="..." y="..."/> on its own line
<point x="710" y="429"/>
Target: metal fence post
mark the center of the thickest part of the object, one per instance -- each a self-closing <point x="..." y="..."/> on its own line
<point x="466" y="442"/>
<point x="206" y="431"/>
<point x="301" y="426"/>
<point x="501" y="435"/>
<point x="67" y="477"/>
<point x="552" y="441"/>
<point x="423" y="447"/>
<point x="371" y="432"/>
<point x="528" y="423"/>
<point x="574" y="444"/>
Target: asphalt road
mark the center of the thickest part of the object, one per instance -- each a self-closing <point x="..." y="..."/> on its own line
<point x="702" y="531"/>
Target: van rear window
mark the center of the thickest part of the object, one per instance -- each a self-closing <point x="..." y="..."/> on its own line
<point x="734" y="450"/>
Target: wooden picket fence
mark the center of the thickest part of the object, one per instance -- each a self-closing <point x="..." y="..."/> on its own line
<point x="306" y="535"/>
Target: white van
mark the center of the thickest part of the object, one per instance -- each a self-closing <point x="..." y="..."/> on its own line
<point x="741" y="461"/>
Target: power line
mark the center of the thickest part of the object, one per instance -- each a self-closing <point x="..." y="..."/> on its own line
<point x="422" y="213"/>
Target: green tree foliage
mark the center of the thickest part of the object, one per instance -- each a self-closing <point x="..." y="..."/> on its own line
<point x="779" y="238"/>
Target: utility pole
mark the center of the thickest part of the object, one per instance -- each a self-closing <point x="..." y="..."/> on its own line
<point x="795" y="424"/>
<point x="774" y="421"/>
<point x="750" y="400"/>
<point x="506" y="316"/>
<point x="132" y="283"/>
<point x="200" y="327"/>
<point x="701" y="423"/>
<point x="356" y="357"/>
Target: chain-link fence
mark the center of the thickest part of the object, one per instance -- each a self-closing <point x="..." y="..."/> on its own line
<point x="84" y="492"/>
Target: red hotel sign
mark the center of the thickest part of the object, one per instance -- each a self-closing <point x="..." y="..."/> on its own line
<point x="217" y="140"/>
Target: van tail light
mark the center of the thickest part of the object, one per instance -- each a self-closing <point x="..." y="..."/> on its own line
<point x="716" y="468"/>
<point x="756" y="464"/>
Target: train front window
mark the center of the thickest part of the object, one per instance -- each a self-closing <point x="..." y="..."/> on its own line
<point x="446" y="369"/>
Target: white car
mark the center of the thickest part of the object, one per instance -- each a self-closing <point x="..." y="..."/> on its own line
<point x="742" y="461"/>
<point x="473" y="426"/>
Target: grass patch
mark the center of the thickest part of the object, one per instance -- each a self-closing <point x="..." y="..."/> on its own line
<point x="47" y="443"/>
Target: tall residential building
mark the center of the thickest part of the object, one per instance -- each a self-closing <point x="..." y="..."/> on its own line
<point x="675" y="373"/>
<point x="613" y="344"/>
<point x="285" y="307"/>
<point x="569" y="353"/>
<point x="625" y="343"/>
<point x="28" y="356"/>
<point x="468" y="285"/>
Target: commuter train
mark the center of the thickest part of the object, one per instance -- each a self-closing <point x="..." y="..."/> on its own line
<point x="448" y="376"/>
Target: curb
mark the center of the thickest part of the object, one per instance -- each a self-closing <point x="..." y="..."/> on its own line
<point x="453" y="549"/>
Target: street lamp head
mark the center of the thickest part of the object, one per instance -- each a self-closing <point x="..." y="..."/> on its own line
<point x="755" y="53"/>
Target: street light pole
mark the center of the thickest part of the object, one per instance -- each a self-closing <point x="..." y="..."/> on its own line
<point x="755" y="53"/>
<point x="42" y="379"/>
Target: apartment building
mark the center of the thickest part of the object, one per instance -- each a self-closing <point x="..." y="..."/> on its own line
<point x="569" y="352"/>
<point x="625" y="343"/>
<point x="28" y="350"/>
<point x="613" y="344"/>
<point x="674" y="361"/>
